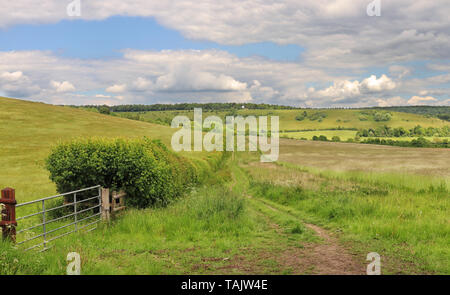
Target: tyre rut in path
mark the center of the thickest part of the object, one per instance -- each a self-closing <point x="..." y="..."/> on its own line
<point x="326" y="257"/>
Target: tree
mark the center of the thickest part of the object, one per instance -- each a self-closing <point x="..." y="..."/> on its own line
<point x="104" y="110"/>
<point x="336" y="138"/>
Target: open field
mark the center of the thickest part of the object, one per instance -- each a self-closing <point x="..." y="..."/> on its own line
<point x="430" y="138"/>
<point x="319" y="210"/>
<point x="365" y="157"/>
<point x="29" y="130"/>
<point x="334" y="118"/>
<point x="404" y="219"/>
<point x="343" y="134"/>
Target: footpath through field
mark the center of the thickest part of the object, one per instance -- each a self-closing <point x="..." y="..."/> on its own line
<point x="317" y="252"/>
<point x="326" y="256"/>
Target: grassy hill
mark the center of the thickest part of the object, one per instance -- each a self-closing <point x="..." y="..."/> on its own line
<point x="319" y="119"/>
<point x="29" y="129"/>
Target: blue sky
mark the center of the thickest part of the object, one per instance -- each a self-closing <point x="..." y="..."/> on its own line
<point x="106" y="39"/>
<point x="303" y="53"/>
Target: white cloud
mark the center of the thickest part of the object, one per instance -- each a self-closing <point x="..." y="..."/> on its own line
<point x="345" y="89"/>
<point x="12" y="77"/>
<point x="399" y="71"/>
<point x="336" y="33"/>
<point x="17" y="84"/>
<point x="372" y="84"/>
<point x="393" y="101"/>
<point x="418" y="100"/>
<point x="445" y="67"/>
<point x="102" y="96"/>
<point x="189" y="80"/>
<point x="142" y="84"/>
<point x="65" y="86"/>
<point x="340" y="89"/>
<point x="171" y="76"/>
<point x="116" y="88"/>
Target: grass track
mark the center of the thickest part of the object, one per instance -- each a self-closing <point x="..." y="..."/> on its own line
<point x="403" y="220"/>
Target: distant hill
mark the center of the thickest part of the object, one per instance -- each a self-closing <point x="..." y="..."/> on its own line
<point x="190" y="106"/>
<point x="307" y="119"/>
<point x="441" y="112"/>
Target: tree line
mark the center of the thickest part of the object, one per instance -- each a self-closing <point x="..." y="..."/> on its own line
<point x="441" y="112"/>
<point x="188" y="106"/>
<point x="386" y="131"/>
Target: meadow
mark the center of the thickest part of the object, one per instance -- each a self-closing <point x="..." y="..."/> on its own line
<point x="332" y="118"/>
<point x="334" y="124"/>
<point x="319" y="210"/>
<point x="403" y="218"/>
<point x="29" y="130"/>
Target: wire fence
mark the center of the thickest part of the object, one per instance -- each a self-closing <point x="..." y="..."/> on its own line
<point x="58" y="216"/>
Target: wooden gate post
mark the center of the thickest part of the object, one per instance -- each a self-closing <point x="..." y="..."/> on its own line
<point x="8" y="222"/>
<point x="105" y="204"/>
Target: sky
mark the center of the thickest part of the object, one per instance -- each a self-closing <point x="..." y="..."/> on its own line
<point x="320" y="53"/>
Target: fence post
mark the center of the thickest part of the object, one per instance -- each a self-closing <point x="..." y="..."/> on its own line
<point x="8" y="222"/>
<point x="105" y="204"/>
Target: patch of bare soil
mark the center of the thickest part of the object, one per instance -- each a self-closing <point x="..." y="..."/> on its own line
<point x="328" y="257"/>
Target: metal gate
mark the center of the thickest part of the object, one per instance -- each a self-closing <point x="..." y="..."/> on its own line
<point x="79" y="207"/>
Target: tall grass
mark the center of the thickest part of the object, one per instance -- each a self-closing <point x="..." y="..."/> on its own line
<point x="394" y="215"/>
<point x="139" y="241"/>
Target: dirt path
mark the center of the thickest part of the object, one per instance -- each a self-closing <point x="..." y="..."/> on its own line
<point x="326" y="257"/>
<point x="331" y="257"/>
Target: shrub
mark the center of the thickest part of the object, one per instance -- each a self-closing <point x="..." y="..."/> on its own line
<point x="335" y="138"/>
<point x="104" y="110"/>
<point x="301" y="116"/>
<point x="382" y="116"/>
<point x="146" y="170"/>
<point x="318" y="116"/>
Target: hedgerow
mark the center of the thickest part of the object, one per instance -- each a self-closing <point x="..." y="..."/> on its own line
<point x="145" y="169"/>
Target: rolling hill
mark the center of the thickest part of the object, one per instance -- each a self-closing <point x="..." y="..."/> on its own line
<point x="317" y="119"/>
<point x="29" y="129"/>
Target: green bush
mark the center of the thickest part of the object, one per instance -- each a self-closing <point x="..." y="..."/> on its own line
<point x="318" y="116"/>
<point x="104" y="110"/>
<point x="146" y="170"/>
<point x="335" y="138"/>
<point x="301" y="116"/>
<point x="382" y="116"/>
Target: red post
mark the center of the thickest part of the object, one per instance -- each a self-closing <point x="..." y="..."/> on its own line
<point x="8" y="222"/>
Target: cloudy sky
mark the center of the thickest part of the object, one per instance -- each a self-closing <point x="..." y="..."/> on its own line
<point x="317" y="53"/>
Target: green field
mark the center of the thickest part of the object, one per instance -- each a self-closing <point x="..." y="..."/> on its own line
<point x="29" y="130"/>
<point x="343" y="124"/>
<point x="334" y="118"/>
<point x="319" y="210"/>
<point x="343" y="134"/>
<point x="430" y="138"/>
